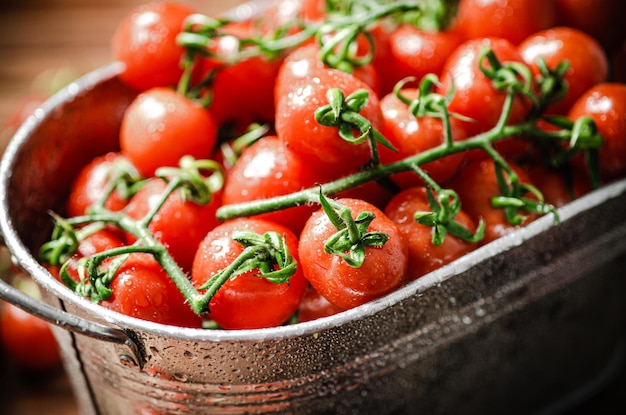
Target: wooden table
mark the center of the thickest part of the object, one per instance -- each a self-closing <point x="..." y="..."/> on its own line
<point x="38" y="39"/>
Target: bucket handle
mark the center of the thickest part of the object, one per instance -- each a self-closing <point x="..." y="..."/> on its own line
<point x="76" y="324"/>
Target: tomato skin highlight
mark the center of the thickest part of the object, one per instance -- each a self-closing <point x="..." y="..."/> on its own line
<point x="143" y="290"/>
<point x="160" y="126"/>
<point x="606" y="104"/>
<point x="588" y="62"/>
<point x="424" y="256"/>
<point x="246" y="301"/>
<point x="146" y="39"/>
<point x="383" y="270"/>
<point x="179" y="225"/>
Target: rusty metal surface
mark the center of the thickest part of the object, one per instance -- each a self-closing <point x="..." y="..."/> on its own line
<point x="512" y="327"/>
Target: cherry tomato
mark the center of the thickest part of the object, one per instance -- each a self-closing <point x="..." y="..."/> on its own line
<point x="160" y="126"/>
<point x="474" y="94"/>
<point x="302" y="65"/>
<point x="89" y="186"/>
<point x="588" y="62"/>
<point x="96" y="242"/>
<point x="424" y="256"/>
<point x="296" y="127"/>
<point x="247" y="301"/>
<point x="266" y="169"/>
<point x="601" y="19"/>
<point x="606" y="104"/>
<point x="243" y="92"/>
<point x="411" y="135"/>
<point x="314" y="306"/>
<point x="509" y="19"/>
<point x="556" y="188"/>
<point x="27" y="339"/>
<point x="476" y="185"/>
<point x="416" y="52"/>
<point x="143" y="290"/>
<point x="383" y="270"/>
<point x="179" y="225"/>
<point x="145" y="40"/>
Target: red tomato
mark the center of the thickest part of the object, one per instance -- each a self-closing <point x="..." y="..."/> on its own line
<point x="299" y="98"/>
<point x="247" y="301"/>
<point x="266" y="169"/>
<point x="416" y="52"/>
<point x="588" y="61"/>
<point x="143" y="290"/>
<point x="555" y="187"/>
<point x="509" y="19"/>
<point x="89" y="185"/>
<point x="411" y="135"/>
<point x="606" y="105"/>
<point x="474" y="94"/>
<point x="424" y="256"/>
<point x="179" y="225"/>
<point x="302" y="65"/>
<point x="601" y="19"/>
<point x="27" y="339"/>
<point x="160" y="126"/>
<point x="476" y="185"/>
<point x="145" y="41"/>
<point x="235" y="84"/>
<point x="383" y="270"/>
<point x="97" y="242"/>
<point x="314" y="306"/>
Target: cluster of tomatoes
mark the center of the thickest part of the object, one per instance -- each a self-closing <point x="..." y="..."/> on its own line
<point x="362" y="241"/>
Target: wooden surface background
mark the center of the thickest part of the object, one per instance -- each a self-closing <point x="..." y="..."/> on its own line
<point x="41" y="40"/>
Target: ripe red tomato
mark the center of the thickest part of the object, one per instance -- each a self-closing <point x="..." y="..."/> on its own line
<point x="303" y="64"/>
<point x="146" y="40"/>
<point x="383" y="270"/>
<point x="243" y="92"/>
<point x="296" y="127"/>
<point x="424" y="256"/>
<point x="606" y="104"/>
<point x="27" y="339"/>
<point x="160" y="126"/>
<point x="266" y="169"/>
<point x="411" y="135"/>
<point x="97" y="242"/>
<point x="90" y="183"/>
<point x="143" y="290"/>
<point x="588" y="62"/>
<point x="179" y="225"/>
<point x="601" y="19"/>
<point x="556" y="187"/>
<point x="474" y="94"/>
<point x="509" y="19"/>
<point x="247" y="301"/>
<point x="414" y="52"/>
<point x="314" y="306"/>
<point x="476" y="185"/>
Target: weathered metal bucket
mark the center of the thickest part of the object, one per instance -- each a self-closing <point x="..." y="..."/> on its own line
<point x="533" y="321"/>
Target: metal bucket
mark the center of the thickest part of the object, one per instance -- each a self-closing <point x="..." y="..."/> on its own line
<point x="533" y="321"/>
